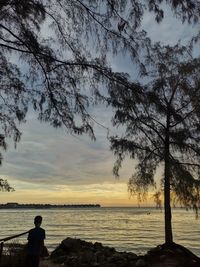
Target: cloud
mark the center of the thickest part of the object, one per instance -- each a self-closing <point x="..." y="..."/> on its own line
<point x="48" y="155"/>
<point x="106" y="194"/>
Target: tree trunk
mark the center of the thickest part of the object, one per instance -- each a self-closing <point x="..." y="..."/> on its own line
<point x="168" y="215"/>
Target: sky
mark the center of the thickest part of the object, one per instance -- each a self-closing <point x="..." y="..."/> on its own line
<point x="51" y="166"/>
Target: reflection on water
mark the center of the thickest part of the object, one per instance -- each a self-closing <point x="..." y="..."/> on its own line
<point x="130" y="229"/>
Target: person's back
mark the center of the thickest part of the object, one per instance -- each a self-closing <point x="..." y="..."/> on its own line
<point x="36" y="238"/>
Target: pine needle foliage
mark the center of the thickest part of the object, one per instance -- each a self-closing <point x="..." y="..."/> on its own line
<point x="162" y="128"/>
<point x="53" y="55"/>
<point x="4" y="186"/>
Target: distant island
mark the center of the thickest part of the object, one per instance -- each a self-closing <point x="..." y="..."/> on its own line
<point x="13" y="205"/>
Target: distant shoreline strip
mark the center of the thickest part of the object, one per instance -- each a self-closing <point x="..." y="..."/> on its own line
<point x="46" y="206"/>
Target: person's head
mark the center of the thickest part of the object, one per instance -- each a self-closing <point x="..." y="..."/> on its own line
<point x="38" y="220"/>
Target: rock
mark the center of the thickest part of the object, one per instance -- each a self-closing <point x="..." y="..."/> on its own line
<point x="140" y="263"/>
<point x="79" y="253"/>
<point x="162" y="257"/>
<point x="98" y="245"/>
<point x="155" y="250"/>
<point x="88" y="256"/>
<point x="108" y="251"/>
<point x="131" y="256"/>
<point x="179" y="251"/>
<point x="99" y="256"/>
<point x="131" y="264"/>
<point x="59" y="259"/>
<point x="58" y="252"/>
<point x="173" y="255"/>
<point x="71" y="243"/>
<point x="116" y="257"/>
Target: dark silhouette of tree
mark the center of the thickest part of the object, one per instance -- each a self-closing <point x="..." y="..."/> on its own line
<point x="53" y="56"/>
<point x="4" y="186"/>
<point x="162" y="128"/>
<point x="157" y="199"/>
<point x="54" y="52"/>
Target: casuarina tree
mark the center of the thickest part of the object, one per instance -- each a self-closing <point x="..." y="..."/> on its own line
<point x="53" y="55"/>
<point x="162" y="129"/>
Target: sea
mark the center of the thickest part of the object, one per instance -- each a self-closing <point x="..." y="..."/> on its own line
<point x="127" y="229"/>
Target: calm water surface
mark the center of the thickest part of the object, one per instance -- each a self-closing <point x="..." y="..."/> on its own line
<point x="126" y="229"/>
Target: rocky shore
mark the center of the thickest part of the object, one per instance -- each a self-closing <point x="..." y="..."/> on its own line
<point x="79" y="253"/>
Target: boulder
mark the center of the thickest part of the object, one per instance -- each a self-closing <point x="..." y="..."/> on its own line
<point x="140" y="263"/>
<point x="76" y="252"/>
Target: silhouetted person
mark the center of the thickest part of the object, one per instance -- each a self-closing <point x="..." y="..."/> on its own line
<point x="35" y="245"/>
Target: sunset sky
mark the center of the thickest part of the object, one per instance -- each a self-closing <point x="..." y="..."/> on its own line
<point x="51" y="166"/>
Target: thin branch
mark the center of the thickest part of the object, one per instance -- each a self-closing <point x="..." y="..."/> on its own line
<point x="15" y="49"/>
<point x="103" y="70"/>
<point x="119" y="35"/>
<point x="152" y="128"/>
<point x="176" y="161"/>
<point x="61" y="32"/>
<point x="173" y="93"/>
<point x="183" y="118"/>
<point x="186" y="147"/>
<point x="148" y="137"/>
<point x="189" y="164"/>
<point x="11" y="42"/>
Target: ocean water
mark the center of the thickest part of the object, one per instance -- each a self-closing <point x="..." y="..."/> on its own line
<point x="127" y="229"/>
